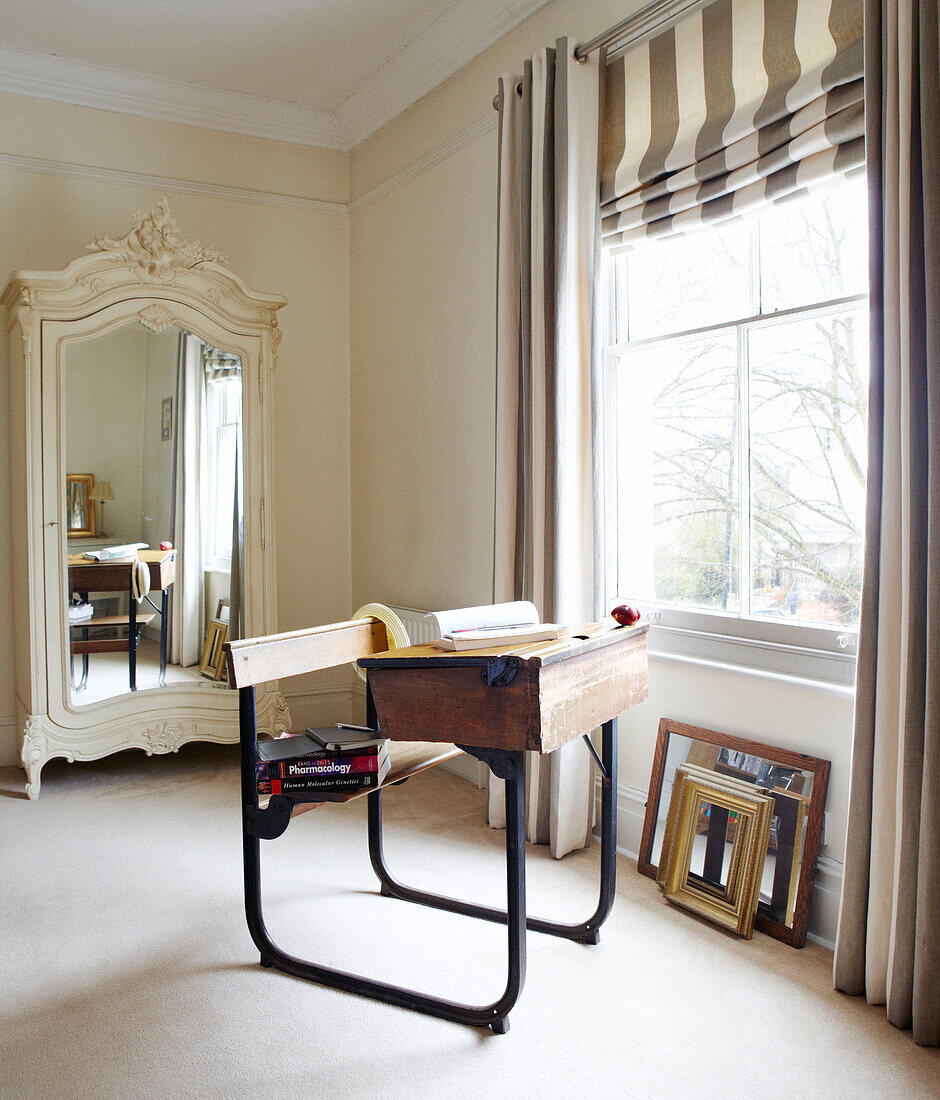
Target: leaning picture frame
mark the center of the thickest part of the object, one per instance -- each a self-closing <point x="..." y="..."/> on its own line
<point x="798" y="813"/>
<point x="733" y="905"/>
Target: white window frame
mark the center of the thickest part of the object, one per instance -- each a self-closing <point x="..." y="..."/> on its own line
<point x="807" y="651"/>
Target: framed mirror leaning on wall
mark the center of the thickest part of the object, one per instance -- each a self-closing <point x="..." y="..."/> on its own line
<point x="149" y="363"/>
<point x="798" y="784"/>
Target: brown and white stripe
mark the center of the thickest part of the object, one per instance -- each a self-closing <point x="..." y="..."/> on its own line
<point x="743" y="102"/>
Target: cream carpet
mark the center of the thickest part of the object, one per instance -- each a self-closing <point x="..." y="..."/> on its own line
<point x="127" y="970"/>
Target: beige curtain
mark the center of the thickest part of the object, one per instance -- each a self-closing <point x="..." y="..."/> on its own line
<point x="546" y="516"/>
<point x="740" y="104"/>
<point x="888" y="944"/>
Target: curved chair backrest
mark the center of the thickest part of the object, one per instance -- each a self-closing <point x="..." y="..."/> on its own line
<point x="258" y="660"/>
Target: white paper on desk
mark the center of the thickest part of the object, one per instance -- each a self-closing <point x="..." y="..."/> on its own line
<point x="108" y="553"/>
<point x="485" y="617"/>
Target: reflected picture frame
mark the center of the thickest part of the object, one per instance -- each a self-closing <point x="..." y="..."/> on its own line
<point x="809" y="819"/>
<point x="212" y="664"/>
<point x="166" y="419"/>
<point x="79" y="507"/>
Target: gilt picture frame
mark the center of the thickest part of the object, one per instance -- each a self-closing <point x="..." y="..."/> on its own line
<point x="79" y="507"/>
<point x="733" y="905"/>
<point x="212" y="664"/>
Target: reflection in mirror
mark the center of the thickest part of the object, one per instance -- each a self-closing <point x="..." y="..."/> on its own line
<point x="156" y="417"/>
<point x="79" y="494"/>
<point x="798" y="786"/>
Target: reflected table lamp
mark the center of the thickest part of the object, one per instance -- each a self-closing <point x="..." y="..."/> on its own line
<point x="102" y="491"/>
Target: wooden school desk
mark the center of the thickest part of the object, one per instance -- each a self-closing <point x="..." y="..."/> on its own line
<point x="494" y="705"/>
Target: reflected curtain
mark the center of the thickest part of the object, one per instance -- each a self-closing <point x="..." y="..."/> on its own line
<point x="888" y="944"/>
<point x="186" y="595"/>
<point x="546" y="415"/>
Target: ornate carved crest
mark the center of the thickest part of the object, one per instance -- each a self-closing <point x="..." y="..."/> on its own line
<point x="155" y="317"/>
<point x="155" y="247"/>
<point x="167" y="736"/>
<point x="34" y="747"/>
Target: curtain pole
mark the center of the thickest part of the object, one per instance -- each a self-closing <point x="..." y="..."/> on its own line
<point x="642" y="24"/>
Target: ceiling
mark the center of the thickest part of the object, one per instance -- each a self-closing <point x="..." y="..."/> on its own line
<point x="319" y="72"/>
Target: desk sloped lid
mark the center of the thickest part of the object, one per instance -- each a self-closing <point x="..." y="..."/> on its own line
<point x="574" y="640"/>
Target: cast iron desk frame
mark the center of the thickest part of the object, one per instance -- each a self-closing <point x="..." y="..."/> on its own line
<point x="508" y="764"/>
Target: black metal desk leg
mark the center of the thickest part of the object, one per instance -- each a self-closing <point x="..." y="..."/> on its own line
<point x="255" y="823"/>
<point x="164" y="608"/>
<point x="132" y="640"/>
<point x="587" y="931"/>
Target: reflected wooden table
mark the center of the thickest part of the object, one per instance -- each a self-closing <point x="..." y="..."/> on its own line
<point x="87" y="576"/>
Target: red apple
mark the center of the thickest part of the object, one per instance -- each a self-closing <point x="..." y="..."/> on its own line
<point x="166" y="545"/>
<point x="625" y="615"/>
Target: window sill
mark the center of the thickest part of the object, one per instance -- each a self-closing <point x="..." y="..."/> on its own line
<point x="813" y="667"/>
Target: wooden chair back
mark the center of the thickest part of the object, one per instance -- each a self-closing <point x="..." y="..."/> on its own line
<point x="253" y="661"/>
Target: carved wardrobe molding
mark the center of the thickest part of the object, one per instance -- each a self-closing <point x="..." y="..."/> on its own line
<point x="155" y="276"/>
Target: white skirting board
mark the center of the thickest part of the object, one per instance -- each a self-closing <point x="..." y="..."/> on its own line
<point x="824" y="910"/>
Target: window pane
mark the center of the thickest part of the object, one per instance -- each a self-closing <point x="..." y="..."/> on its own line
<point x="685" y="283"/>
<point x="676" y="431"/>
<point x="814" y="250"/>
<point x="808" y="410"/>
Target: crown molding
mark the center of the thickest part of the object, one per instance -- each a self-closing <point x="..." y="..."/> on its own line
<point x="167" y="183"/>
<point x="44" y="76"/>
<point x="462" y="33"/>
<point x="453" y="40"/>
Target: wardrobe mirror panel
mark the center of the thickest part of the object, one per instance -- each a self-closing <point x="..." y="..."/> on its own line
<point x="152" y="441"/>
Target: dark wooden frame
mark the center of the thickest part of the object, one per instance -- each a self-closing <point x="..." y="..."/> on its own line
<point x="795" y="936"/>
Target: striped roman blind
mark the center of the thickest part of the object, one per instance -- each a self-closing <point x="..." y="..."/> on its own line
<point x="220" y="365"/>
<point x="741" y="103"/>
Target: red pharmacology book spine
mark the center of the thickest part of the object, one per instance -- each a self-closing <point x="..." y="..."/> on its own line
<point x="323" y="771"/>
<point x="321" y="766"/>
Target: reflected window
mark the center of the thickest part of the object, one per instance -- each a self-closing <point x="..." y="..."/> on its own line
<point x="223" y="427"/>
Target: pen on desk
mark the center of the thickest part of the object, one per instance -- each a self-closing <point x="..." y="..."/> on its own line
<point x="347" y="726"/>
<point x="508" y="626"/>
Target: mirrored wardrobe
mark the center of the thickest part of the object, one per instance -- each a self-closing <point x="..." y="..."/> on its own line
<point x="141" y="454"/>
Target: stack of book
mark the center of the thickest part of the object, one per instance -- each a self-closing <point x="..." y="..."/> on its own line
<point x="80" y="612"/>
<point x="321" y="762"/>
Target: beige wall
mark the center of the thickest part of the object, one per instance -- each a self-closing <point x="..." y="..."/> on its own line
<point x="105" y="382"/>
<point x="51" y="210"/>
<point x="423" y="262"/>
<point x="156" y="473"/>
